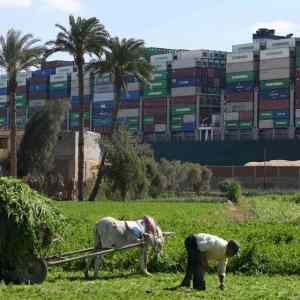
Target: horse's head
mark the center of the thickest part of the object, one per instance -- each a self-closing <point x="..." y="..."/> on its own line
<point x="156" y="240"/>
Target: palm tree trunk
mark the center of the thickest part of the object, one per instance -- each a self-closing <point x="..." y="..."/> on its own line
<point x="115" y="124"/>
<point x="81" y="132"/>
<point x="12" y="86"/>
<point x="98" y="181"/>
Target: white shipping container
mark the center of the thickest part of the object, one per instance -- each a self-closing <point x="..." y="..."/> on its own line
<point x="188" y="118"/>
<point x="161" y="59"/>
<point x="274" y="53"/>
<point x="239" y="106"/>
<point x="282" y="43"/>
<point x="3" y="81"/>
<point x="103" y="88"/>
<point x="215" y="119"/>
<point x="274" y="74"/>
<point x="248" y="47"/>
<point x="231" y="116"/>
<point x="184" y="91"/>
<point x="128" y="113"/>
<point x="297" y="113"/>
<point x="103" y="97"/>
<point x="266" y="124"/>
<point x="240" y="57"/>
<point x="240" y="67"/>
<point x="133" y="86"/>
<point x="64" y="70"/>
<point x="160" y="127"/>
<point x="59" y="78"/>
<point x="280" y="63"/>
<point x="3" y="98"/>
<point x="184" y="63"/>
<point x="37" y="103"/>
<point x="74" y="76"/>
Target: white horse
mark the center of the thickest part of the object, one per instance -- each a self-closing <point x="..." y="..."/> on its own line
<point x="113" y="233"/>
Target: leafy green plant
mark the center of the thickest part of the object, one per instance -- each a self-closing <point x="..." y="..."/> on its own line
<point x="232" y="190"/>
<point x="28" y="224"/>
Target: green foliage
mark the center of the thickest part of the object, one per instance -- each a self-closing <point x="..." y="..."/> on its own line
<point x="127" y="171"/>
<point x="269" y="245"/>
<point x="232" y="190"/>
<point x="37" y="150"/>
<point x="28" y="223"/>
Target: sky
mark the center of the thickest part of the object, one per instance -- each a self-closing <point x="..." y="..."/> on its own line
<point x="190" y="24"/>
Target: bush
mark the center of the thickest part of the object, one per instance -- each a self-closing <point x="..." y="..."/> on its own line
<point x="28" y="224"/>
<point x="232" y="190"/>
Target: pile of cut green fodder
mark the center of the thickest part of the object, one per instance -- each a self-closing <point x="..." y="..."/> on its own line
<point x="28" y="225"/>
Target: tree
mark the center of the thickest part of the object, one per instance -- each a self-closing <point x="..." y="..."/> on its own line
<point x="84" y="36"/>
<point x="37" y="149"/>
<point x="17" y="53"/>
<point x="120" y="59"/>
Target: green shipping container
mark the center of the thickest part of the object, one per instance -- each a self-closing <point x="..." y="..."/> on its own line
<point x="232" y="124"/>
<point x="133" y="121"/>
<point x="297" y="123"/>
<point x="154" y="93"/>
<point x="58" y="86"/>
<point x="297" y="62"/>
<point x="274" y="84"/>
<point x="159" y="76"/>
<point x="176" y="126"/>
<point x="265" y="115"/>
<point x="21" y="101"/>
<point x="281" y="123"/>
<point x="148" y="120"/>
<point x="298" y="52"/>
<point x="240" y="77"/>
<point x="183" y="110"/>
<point x="245" y="124"/>
<point x="75" y="116"/>
<point x="157" y="85"/>
<point x="176" y="119"/>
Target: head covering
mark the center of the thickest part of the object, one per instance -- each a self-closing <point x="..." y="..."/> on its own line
<point x="234" y="246"/>
<point x="150" y="226"/>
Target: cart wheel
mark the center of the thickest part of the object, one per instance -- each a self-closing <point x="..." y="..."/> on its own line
<point x="35" y="271"/>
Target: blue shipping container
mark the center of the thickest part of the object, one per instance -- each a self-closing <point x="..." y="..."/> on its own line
<point x="87" y="99"/>
<point x="131" y="95"/>
<point x="3" y="91"/>
<point x="102" y="122"/>
<point x="280" y="114"/>
<point x="43" y="73"/>
<point x="275" y="94"/>
<point x="39" y="88"/>
<point x="185" y="82"/>
<point x="101" y="114"/>
<point x="57" y="95"/>
<point x="188" y="127"/>
<point x="246" y="86"/>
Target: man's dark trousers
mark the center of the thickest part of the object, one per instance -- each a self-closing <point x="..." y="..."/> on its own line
<point x="195" y="267"/>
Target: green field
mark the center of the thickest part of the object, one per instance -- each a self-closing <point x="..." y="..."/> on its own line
<point x="266" y="226"/>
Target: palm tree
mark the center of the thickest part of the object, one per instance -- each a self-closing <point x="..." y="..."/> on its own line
<point x="84" y="36"/>
<point x="17" y="53"/>
<point x="120" y="59"/>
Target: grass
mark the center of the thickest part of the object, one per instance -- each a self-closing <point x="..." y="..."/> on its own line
<point x="266" y="226"/>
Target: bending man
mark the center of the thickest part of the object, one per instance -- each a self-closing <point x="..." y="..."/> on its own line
<point x="202" y="248"/>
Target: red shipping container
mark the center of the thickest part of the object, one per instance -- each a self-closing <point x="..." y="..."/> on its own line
<point x="21" y="89"/>
<point x="239" y="97"/>
<point x="154" y="112"/>
<point x="39" y="80"/>
<point x="129" y="105"/>
<point x="297" y="74"/>
<point x="149" y="128"/>
<point x="156" y="100"/>
<point x="76" y="107"/>
<point x="273" y="104"/>
<point x="297" y="103"/>
<point x="104" y="131"/>
<point x="41" y="95"/>
<point x="297" y="87"/>
<point x="246" y="115"/>
<point x="155" y="104"/>
<point x="187" y="72"/>
<point x="183" y="100"/>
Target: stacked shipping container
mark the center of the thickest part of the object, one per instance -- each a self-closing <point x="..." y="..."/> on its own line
<point x="155" y="101"/>
<point x="274" y="95"/>
<point x="3" y="102"/>
<point x="102" y="104"/>
<point x="21" y="101"/>
<point x="297" y="90"/>
<point x="74" y="112"/>
<point x="239" y="94"/>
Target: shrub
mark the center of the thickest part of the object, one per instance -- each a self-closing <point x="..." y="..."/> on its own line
<point x="232" y="190"/>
